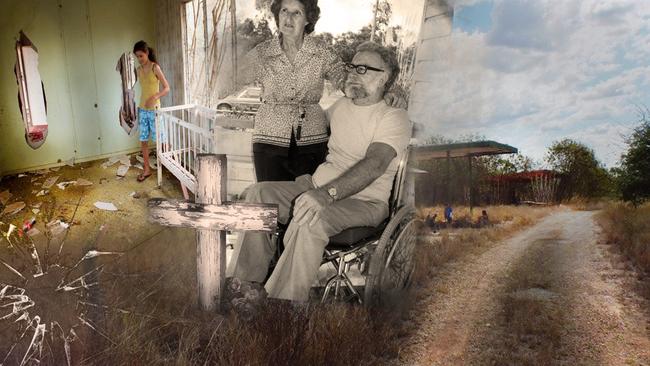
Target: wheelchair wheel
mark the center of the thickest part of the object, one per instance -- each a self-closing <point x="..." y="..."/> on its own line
<point x="392" y="264"/>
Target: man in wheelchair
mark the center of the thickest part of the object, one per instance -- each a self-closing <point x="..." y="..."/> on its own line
<point x="350" y="189"/>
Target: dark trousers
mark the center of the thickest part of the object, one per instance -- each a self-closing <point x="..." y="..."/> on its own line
<point x="275" y="163"/>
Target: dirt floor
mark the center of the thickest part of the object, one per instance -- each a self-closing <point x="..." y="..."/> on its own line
<point x="551" y="295"/>
<point x="86" y="279"/>
<point x="111" y="260"/>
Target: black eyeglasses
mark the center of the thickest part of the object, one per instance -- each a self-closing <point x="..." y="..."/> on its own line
<point x="361" y="69"/>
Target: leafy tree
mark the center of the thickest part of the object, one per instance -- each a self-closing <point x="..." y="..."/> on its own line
<point x="634" y="173"/>
<point x="254" y="31"/>
<point x="508" y="164"/>
<point x="384" y="11"/>
<point x="582" y="174"/>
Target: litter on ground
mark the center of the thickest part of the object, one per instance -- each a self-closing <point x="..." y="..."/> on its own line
<point x="121" y="171"/>
<point x="83" y="182"/>
<point x="50" y="182"/>
<point x="125" y="160"/>
<point x="112" y="160"/>
<point x="13" y="208"/>
<point x="5" y="196"/>
<point x="108" y="206"/>
<point x="62" y="185"/>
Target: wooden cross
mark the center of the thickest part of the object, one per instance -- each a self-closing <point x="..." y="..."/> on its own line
<point x="211" y="216"/>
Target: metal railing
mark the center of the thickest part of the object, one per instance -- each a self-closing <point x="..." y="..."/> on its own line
<point x="184" y="131"/>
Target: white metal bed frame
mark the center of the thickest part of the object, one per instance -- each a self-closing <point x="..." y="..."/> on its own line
<point x="184" y="131"/>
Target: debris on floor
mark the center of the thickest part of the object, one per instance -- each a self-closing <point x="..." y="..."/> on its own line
<point x="55" y="169"/>
<point x="42" y="172"/>
<point x="50" y="182"/>
<point x="83" y="182"/>
<point x="22" y="175"/>
<point x="11" y="229"/>
<point x="125" y="160"/>
<point x="139" y="166"/>
<point x="153" y="163"/>
<point x="5" y="196"/>
<point x="33" y="232"/>
<point x="112" y="160"/>
<point x="43" y="192"/>
<point x="28" y="224"/>
<point x="37" y="205"/>
<point x="108" y="206"/>
<point x="121" y="171"/>
<point x="13" y="208"/>
<point x="35" y="211"/>
<point x="62" y="185"/>
<point x="57" y="227"/>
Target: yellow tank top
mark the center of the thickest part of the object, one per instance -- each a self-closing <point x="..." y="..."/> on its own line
<point x="149" y="86"/>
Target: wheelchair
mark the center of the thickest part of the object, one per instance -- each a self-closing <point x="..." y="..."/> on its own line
<point x="384" y="254"/>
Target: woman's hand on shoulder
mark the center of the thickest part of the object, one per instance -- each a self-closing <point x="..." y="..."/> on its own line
<point x="395" y="100"/>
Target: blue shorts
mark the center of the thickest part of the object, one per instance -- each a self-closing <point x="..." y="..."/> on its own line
<point x="147" y="124"/>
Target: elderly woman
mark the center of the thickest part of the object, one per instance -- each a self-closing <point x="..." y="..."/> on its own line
<point x="290" y="136"/>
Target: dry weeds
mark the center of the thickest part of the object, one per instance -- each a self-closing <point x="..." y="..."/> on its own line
<point x="437" y="249"/>
<point x="628" y="228"/>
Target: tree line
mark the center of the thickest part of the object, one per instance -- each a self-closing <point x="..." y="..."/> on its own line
<point x="573" y="164"/>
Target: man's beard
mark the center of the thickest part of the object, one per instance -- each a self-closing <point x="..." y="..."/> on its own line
<point x="355" y="91"/>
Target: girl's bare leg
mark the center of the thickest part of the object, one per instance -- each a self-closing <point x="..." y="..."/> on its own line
<point x="144" y="145"/>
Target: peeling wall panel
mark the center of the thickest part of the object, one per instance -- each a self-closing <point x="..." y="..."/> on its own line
<point x="79" y="43"/>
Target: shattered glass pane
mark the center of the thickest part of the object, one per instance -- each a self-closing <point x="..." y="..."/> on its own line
<point x="50" y="310"/>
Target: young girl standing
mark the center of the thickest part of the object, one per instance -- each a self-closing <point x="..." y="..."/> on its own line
<point x="150" y="76"/>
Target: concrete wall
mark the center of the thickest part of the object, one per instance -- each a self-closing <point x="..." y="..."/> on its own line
<point x="79" y="42"/>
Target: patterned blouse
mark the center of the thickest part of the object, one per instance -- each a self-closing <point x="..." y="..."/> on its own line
<point x="291" y="90"/>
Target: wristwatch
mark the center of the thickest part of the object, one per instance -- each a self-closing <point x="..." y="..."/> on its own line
<point x="332" y="192"/>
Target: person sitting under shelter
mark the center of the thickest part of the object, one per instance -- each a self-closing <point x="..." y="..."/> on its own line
<point x="351" y="188"/>
<point x="483" y="220"/>
<point x="430" y="222"/>
<point x="449" y="214"/>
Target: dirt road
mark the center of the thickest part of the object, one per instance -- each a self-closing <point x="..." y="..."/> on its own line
<point x="551" y="295"/>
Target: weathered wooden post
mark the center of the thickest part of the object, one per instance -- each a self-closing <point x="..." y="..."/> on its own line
<point x="211" y="244"/>
<point x="212" y="216"/>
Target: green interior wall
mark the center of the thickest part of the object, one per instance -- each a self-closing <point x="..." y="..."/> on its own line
<point x="79" y="43"/>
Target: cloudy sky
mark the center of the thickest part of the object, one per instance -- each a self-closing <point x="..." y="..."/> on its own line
<point x="531" y="72"/>
<point x="528" y="73"/>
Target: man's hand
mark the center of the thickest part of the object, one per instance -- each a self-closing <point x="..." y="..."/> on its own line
<point x="309" y="205"/>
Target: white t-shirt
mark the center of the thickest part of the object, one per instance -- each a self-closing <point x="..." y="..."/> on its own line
<point x="354" y="128"/>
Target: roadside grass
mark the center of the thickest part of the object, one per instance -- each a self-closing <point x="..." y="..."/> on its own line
<point x="165" y="328"/>
<point x="628" y="228"/>
<point x="436" y="249"/>
<point x="278" y="334"/>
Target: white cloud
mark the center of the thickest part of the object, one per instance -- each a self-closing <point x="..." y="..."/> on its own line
<point x="548" y="70"/>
